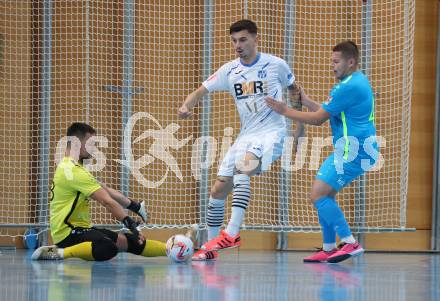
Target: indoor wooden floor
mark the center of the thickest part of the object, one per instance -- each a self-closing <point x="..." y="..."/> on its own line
<point x="237" y="275"/>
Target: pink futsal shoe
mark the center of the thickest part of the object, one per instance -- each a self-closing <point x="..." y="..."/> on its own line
<point x="320" y="256"/>
<point x="346" y="251"/>
<point x="223" y="241"/>
<point x="202" y="255"/>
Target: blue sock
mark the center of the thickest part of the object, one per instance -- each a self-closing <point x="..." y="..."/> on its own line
<point x="328" y="232"/>
<point x="333" y="216"/>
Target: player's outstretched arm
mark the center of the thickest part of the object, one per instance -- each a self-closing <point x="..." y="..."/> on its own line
<point x="134" y="206"/>
<point x="299" y="132"/>
<point x="313" y="118"/>
<point x="295" y="96"/>
<point x="296" y="102"/>
<point x="104" y="198"/>
<point x="308" y="102"/>
<point x="191" y="101"/>
<point x="116" y="195"/>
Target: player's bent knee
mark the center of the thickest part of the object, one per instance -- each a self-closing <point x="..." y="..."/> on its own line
<point x="250" y="172"/>
<point x="246" y="172"/>
<point x="104" y="249"/>
<point x="250" y="166"/>
<point x="312" y="198"/>
<point x="315" y="195"/>
<point x="217" y="193"/>
<point x="221" y="188"/>
<point x="133" y="245"/>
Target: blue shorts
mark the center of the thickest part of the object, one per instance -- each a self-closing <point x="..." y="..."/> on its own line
<point x="339" y="174"/>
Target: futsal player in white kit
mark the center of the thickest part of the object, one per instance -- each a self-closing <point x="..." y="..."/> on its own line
<point x="249" y="78"/>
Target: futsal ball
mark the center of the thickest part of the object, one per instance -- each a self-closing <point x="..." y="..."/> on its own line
<point x="179" y="248"/>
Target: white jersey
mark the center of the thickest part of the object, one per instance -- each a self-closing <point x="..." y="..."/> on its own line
<point x="249" y="84"/>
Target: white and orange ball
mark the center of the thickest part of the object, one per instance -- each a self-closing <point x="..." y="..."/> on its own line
<point x="179" y="248"/>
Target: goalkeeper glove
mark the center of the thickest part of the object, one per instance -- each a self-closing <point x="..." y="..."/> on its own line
<point x="139" y="209"/>
<point x="131" y="224"/>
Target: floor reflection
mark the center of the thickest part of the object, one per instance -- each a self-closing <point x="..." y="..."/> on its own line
<point x="236" y="276"/>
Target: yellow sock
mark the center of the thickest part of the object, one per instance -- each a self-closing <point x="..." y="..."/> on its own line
<point x="82" y="250"/>
<point x="154" y="248"/>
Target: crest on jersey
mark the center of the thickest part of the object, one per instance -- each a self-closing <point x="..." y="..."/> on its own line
<point x="262" y="74"/>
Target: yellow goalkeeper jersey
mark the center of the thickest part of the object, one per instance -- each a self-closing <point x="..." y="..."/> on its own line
<point x="69" y="203"/>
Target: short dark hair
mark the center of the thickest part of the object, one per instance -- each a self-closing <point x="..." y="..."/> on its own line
<point x="348" y="49"/>
<point x="243" y="25"/>
<point x="80" y="129"/>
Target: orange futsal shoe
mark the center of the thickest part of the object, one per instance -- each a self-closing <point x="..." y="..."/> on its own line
<point x="223" y="241"/>
<point x="320" y="256"/>
<point x="202" y="255"/>
<point x="346" y="251"/>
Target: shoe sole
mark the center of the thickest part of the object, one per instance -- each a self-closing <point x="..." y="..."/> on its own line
<point x="216" y="250"/>
<point x="343" y="257"/>
<point x="36" y="255"/>
<point x="314" y="261"/>
<point x="203" y="259"/>
<point x="199" y="259"/>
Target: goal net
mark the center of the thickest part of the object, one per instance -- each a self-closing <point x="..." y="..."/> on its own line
<point x="125" y="67"/>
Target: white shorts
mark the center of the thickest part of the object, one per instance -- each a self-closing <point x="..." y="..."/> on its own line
<point x="267" y="147"/>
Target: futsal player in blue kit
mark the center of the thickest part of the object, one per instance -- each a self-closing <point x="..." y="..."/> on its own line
<point x="350" y="109"/>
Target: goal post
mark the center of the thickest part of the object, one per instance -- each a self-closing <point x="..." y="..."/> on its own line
<point x="125" y="67"/>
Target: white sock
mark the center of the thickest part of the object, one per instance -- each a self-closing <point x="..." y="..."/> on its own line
<point x="240" y="202"/>
<point x="349" y="239"/>
<point x="234" y="225"/>
<point x="213" y="232"/>
<point x="328" y="247"/>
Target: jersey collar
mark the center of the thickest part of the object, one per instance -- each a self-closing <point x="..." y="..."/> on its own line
<point x="345" y="79"/>
<point x="71" y="159"/>
<point x="253" y="63"/>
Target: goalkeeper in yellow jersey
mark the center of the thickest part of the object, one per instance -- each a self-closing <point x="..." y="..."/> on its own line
<point x="73" y="188"/>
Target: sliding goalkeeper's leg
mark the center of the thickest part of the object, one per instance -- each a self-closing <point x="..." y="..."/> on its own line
<point x="85" y="243"/>
<point x="47" y="253"/>
<point x="150" y="248"/>
<point x="100" y="250"/>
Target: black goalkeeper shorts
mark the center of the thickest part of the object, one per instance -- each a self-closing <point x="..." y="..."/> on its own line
<point x="79" y="235"/>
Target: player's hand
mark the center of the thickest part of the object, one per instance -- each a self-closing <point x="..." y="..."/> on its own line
<point x="139" y="208"/>
<point x="303" y="94"/>
<point x="296" y="97"/>
<point x="143" y="212"/>
<point x="131" y="225"/>
<point x="295" y="145"/>
<point x="184" y="112"/>
<point x="278" y="106"/>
